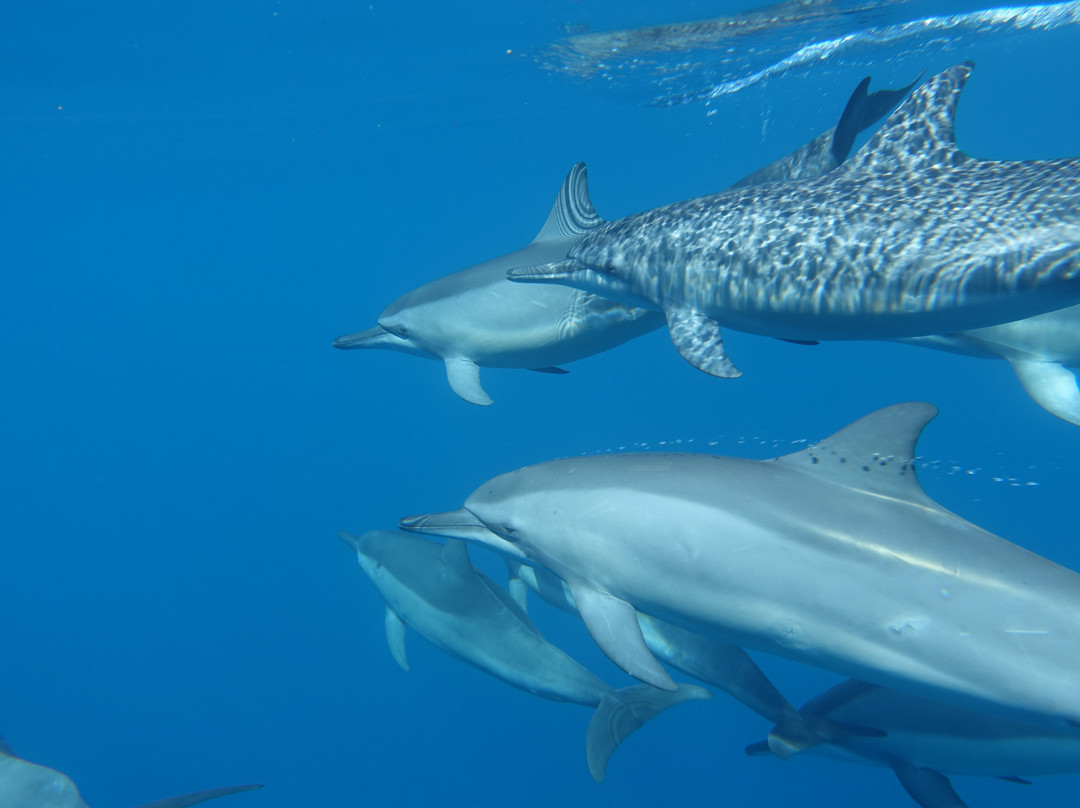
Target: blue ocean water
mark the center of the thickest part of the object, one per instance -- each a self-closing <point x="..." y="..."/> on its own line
<point x="202" y="196"/>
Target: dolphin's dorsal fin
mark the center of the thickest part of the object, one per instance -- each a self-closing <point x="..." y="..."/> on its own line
<point x="456" y="555"/>
<point x="919" y="135"/>
<point x="875" y="454"/>
<point x="572" y="215"/>
<point x="5" y="749"/>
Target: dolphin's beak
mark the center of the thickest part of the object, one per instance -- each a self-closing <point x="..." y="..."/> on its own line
<point x="547" y="273"/>
<point x="460" y="524"/>
<point x="372" y="338"/>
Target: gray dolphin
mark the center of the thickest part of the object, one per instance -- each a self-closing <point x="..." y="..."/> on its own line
<point x="434" y="589"/>
<point x="721" y="665"/>
<point x="477" y="318"/>
<point x="907" y="238"/>
<point x="1041" y="349"/>
<point x="30" y="785"/>
<point x="923" y="741"/>
<point x="833" y="556"/>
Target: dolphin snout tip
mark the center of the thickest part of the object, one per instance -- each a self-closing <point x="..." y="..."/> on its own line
<point x="460" y="524"/>
<point x="361" y="339"/>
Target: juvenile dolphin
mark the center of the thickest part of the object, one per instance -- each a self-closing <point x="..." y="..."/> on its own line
<point x="1041" y="349"/>
<point x="30" y="785"/>
<point x="924" y="741"/>
<point x="434" y="589"/>
<point x="907" y="238"/>
<point x="477" y="318"/>
<point x="833" y="556"/>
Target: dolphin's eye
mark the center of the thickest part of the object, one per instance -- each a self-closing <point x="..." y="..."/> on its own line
<point x="510" y="531"/>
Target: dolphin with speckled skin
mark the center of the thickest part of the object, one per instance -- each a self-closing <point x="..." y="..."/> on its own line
<point x="30" y="785"/>
<point x="434" y="589"/>
<point x="907" y="238"/>
<point x="476" y="318"/>
<point x="923" y="741"/>
<point x="1041" y="349"/>
<point x="833" y="556"/>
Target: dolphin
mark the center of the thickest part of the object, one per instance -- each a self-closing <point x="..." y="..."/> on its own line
<point x="726" y="667"/>
<point x="477" y="318"/>
<point x="833" y="556"/>
<point x="30" y="785"/>
<point x="1041" y="349"/>
<point x="908" y="237"/>
<point x="924" y="741"/>
<point x="434" y="589"/>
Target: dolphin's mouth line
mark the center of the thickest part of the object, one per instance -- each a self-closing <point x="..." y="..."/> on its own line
<point x="462" y="523"/>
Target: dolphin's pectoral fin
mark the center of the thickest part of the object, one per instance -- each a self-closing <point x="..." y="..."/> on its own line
<point x="519" y="591"/>
<point x="395" y="638"/>
<point x="196" y="797"/>
<point x="699" y="341"/>
<point x="464" y="377"/>
<point x="613" y="624"/>
<point x="555" y="370"/>
<point x="621" y="712"/>
<point x="1053" y="387"/>
<point x="927" y="787"/>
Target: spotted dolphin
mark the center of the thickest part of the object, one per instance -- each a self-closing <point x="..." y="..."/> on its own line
<point x="1041" y="349"/>
<point x="833" y="556"/>
<point x="907" y="238"/>
<point x="477" y="318"/>
<point x="435" y="590"/>
<point x="30" y="785"/>
<point x="923" y="741"/>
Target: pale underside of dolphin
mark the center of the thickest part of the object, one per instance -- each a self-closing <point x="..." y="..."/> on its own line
<point x="910" y="237"/>
<point x="924" y="741"/>
<point x="30" y="785"/>
<point x="477" y="318"/>
<point x="1041" y="349"/>
<point x="726" y="667"/>
<point x="436" y="591"/>
<point x="833" y="556"/>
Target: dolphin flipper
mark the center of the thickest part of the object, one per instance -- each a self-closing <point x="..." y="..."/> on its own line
<point x="195" y="797"/>
<point x="699" y="341"/>
<point x="464" y="377"/>
<point x="613" y="625"/>
<point x="622" y="712"/>
<point x="395" y="638"/>
<point x="1053" y="387"/>
<point x="927" y="787"/>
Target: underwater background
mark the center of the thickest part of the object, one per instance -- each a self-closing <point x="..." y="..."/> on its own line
<point x="201" y="196"/>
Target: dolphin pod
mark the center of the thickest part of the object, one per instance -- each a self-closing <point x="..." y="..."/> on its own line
<point x="30" y="785"/>
<point x="909" y="237"/>
<point x="435" y="589"/>
<point x="919" y="599"/>
<point x="477" y="318"/>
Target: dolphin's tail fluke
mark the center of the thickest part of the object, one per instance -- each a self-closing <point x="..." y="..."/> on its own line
<point x="622" y="712"/>
<point x="195" y="797"/>
<point x="863" y="110"/>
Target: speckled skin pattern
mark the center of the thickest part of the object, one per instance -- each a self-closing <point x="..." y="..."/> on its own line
<point x="910" y="237"/>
